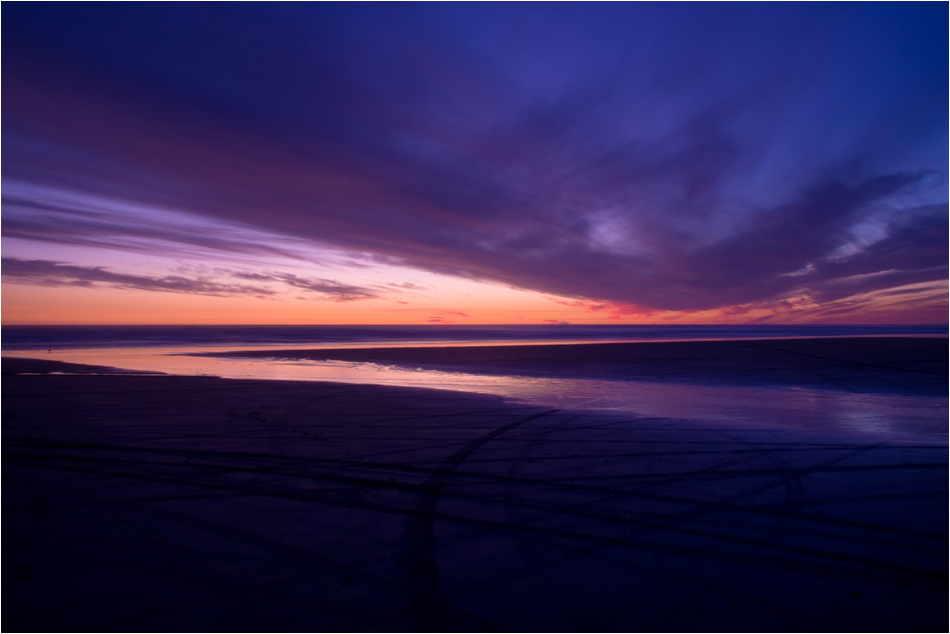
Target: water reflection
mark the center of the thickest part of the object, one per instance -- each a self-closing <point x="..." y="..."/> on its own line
<point x="741" y="406"/>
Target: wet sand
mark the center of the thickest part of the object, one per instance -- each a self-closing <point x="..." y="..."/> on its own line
<point x="145" y="503"/>
<point x="894" y="365"/>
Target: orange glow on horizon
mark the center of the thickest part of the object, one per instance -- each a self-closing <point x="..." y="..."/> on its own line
<point x="484" y="305"/>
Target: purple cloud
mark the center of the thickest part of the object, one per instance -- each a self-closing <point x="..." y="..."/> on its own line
<point x="598" y="154"/>
<point x="329" y="288"/>
<point x="49" y="273"/>
<point x="30" y="217"/>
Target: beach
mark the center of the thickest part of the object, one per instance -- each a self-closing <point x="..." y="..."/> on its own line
<point x="899" y="365"/>
<point x="144" y="503"/>
<point x="452" y="317"/>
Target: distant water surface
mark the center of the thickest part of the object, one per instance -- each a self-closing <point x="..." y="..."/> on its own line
<point x="88" y="337"/>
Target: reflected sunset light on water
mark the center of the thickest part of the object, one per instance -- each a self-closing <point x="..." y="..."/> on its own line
<point x="742" y="406"/>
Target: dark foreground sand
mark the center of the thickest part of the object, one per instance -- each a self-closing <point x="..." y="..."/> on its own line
<point x="163" y="503"/>
<point x="894" y="365"/>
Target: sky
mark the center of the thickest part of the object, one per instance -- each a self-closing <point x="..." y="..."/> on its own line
<point x="474" y="163"/>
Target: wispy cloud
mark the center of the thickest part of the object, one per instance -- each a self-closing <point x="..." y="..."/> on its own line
<point x="75" y="220"/>
<point x="326" y="287"/>
<point x="924" y="303"/>
<point x="50" y="273"/>
<point x="46" y="272"/>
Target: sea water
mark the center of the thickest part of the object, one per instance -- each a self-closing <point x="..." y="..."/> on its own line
<point x="71" y="337"/>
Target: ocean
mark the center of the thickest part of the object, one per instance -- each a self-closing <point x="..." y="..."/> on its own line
<point x="89" y="337"/>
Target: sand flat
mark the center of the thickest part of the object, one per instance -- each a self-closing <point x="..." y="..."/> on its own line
<point x="144" y="503"/>
<point x="897" y="365"/>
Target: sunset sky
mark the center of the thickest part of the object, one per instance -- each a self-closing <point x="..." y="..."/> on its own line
<point x="474" y="163"/>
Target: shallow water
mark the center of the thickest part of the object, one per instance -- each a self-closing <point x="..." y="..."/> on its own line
<point x="879" y="415"/>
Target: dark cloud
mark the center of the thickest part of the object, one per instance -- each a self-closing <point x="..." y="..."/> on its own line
<point x="49" y="273"/>
<point x="668" y="157"/>
<point x="921" y="303"/>
<point x="914" y="250"/>
<point x="329" y="288"/>
<point x="35" y="219"/>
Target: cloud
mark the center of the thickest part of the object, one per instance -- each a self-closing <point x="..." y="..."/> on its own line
<point x="329" y="288"/>
<point x="638" y="158"/>
<point x="407" y="286"/>
<point x="920" y="303"/>
<point x="49" y="273"/>
<point x="76" y="220"/>
<point x="913" y="250"/>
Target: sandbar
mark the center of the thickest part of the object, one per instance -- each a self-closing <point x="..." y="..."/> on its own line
<point x="897" y="365"/>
